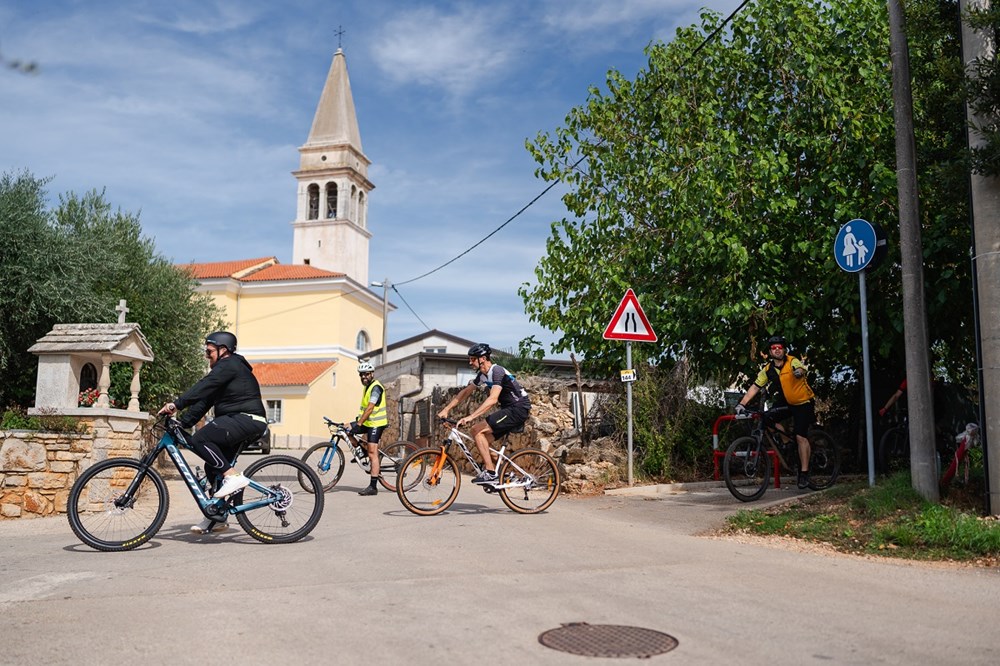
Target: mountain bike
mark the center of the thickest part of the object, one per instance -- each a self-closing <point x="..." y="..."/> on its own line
<point x="121" y="503"/>
<point x="328" y="461"/>
<point x="429" y="479"/>
<point x="747" y="465"/>
<point x="894" y="447"/>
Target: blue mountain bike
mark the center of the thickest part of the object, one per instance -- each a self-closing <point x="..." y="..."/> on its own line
<point x="121" y="503"/>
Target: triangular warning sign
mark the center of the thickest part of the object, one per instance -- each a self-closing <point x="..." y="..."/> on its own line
<point x="629" y="322"/>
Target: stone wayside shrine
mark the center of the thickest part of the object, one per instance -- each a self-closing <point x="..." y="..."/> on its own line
<point x="37" y="469"/>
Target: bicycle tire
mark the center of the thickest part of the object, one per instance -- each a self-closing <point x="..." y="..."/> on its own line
<point x="422" y="490"/>
<point x="299" y="509"/>
<point x="747" y="469"/>
<point x="824" y="460"/>
<point x="313" y="458"/>
<point x="98" y="522"/>
<point x="543" y="482"/>
<point x="389" y="459"/>
<point x="894" y="450"/>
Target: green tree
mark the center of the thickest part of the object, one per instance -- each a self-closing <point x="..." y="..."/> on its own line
<point x="74" y="264"/>
<point x="715" y="182"/>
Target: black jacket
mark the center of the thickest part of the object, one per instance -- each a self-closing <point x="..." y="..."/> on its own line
<point x="230" y="387"/>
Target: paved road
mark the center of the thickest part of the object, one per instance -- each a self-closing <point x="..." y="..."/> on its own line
<point x="376" y="584"/>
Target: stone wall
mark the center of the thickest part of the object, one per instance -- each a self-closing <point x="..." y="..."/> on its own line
<point x="37" y="469"/>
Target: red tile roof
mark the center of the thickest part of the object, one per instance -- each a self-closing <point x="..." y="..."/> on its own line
<point x="223" y="269"/>
<point x="290" y="272"/>
<point x="290" y="374"/>
<point x="257" y="270"/>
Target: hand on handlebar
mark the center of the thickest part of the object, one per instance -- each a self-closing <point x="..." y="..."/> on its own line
<point x="741" y="410"/>
<point x="168" y="408"/>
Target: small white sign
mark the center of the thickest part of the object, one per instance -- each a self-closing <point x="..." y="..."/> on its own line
<point x="628" y="375"/>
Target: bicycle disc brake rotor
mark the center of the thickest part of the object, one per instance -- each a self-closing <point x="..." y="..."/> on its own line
<point x="283" y="500"/>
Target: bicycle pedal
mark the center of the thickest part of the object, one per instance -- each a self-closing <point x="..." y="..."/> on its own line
<point x="489" y="489"/>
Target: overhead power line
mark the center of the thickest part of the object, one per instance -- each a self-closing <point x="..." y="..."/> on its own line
<point x="545" y="191"/>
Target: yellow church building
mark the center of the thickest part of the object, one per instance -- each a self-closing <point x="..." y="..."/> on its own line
<point x="303" y="325"/>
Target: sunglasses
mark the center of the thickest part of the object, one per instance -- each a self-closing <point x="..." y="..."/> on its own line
<point x="777" y="346"/>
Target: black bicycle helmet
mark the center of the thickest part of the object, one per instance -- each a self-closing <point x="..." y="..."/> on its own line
<point x="777" y="340"/>
<point x="480" y="349"/>
<point x="222" y="339"/>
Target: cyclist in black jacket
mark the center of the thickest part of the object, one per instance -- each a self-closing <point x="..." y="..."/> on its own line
<point x="232" y="390"/>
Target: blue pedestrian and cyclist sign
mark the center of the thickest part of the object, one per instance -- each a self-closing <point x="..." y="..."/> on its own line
<point x="859" y="245"/>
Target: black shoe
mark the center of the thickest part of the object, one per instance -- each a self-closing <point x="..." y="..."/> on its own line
<point x="370" y="490"/>
<point x="804" y="480"/>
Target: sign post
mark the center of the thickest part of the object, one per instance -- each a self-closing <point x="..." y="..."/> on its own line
<point x="629" y="323"/>
<point x="858" y="246"/>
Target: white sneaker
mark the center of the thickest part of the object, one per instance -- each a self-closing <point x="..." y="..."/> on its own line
<point x="203" y="527"/>
<point x="231" y="484"/>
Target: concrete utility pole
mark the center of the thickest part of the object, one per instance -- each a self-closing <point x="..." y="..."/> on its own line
<point x="920" y="403"/>
<point x="385" y="284"/>
<point x="986" y="273"/>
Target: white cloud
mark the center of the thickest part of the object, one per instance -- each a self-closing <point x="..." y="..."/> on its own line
<point x="458" y="52"/>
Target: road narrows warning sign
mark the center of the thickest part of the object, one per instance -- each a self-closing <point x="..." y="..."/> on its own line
<point x="629" y="322"/>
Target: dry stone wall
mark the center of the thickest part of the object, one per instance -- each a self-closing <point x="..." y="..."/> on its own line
<point x="37" y="469"/>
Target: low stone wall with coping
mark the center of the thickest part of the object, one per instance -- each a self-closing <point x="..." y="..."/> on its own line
<point x="37" y="469"/>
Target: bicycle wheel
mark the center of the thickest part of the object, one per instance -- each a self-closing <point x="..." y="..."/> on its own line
<point x="537" y="479"/>
<point x="824" y="460"/>
<point x="388" y="462"/>
<point x="297" y="508"/>
<point x="894" y="450"/>
<point x="103" y="518"/>
<point x="327" y="461"/>
<point x="428" y="482"/>
<point x="747" y="469"/>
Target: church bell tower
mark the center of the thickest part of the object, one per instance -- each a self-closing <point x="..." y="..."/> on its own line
<point x="331" y="218"/>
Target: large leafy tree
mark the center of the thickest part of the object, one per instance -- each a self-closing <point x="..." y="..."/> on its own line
<point x="73" y="264"/>
<point x="715" y="182"/>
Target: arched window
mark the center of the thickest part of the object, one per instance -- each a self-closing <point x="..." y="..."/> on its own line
<point x="363" y="342"/>
<point x="88" y="377"/>
<point x="354" y="204"/>
<point x="362" y="217"/>
<point x="331" y="200"/>
<point x="313" y="213"/>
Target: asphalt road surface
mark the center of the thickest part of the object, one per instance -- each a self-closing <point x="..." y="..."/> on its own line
<point x="479" y="584"/>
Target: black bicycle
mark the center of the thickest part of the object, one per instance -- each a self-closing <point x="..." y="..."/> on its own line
<point x="121" y="503"/>
<point x="747" y="465"/>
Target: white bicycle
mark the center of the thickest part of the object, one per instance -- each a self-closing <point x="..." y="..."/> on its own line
<point x="429" y="479"/>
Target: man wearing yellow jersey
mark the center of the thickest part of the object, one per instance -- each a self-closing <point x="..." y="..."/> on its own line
<point x="788" y="374"/>
<point x="372" y="420"/>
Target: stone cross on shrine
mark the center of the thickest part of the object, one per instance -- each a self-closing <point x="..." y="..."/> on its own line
<point x="122" y="311"/>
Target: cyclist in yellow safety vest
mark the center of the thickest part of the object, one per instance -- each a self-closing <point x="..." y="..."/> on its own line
<point x="788" y="374"/>
<point x="372" y="420"/>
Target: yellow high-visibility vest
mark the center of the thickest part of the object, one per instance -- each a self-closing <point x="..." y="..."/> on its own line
<point x="379" y="415"/>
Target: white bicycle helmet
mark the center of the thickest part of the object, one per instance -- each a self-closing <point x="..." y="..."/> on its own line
<point x="364" y="367"/>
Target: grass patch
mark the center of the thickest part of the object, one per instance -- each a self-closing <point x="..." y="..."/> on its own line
<point x="890" y="519"/>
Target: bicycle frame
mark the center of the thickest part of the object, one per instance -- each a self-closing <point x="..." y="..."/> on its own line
<point x="458" y="437"/>
<point x="214" y="509"/>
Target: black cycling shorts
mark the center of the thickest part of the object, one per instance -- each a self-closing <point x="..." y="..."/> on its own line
<point x="507" y="419"/>
<point x="372" y="434"/>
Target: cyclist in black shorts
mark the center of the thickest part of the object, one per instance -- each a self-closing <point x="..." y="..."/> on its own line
<point x="515" y="405"/>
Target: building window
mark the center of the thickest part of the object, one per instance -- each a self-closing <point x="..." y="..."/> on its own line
<point x="333" y="381"/>
<point x="313" y="194"/>
<point x="362" y="211"/>
<point x="274" y="411"/>
<point x="435" y="350"/>
<point x="363" y="342"/>
<point x="331" y="200"/>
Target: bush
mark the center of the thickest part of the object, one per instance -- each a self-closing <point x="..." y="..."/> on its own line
<point x="16" y="418"/>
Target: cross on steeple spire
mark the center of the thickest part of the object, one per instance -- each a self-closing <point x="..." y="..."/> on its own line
<point x="340" y="34"/>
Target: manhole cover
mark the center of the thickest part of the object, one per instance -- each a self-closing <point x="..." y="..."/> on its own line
<point x="607" y="640"/>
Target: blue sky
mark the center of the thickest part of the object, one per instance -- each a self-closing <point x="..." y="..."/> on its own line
<point x="191" y="114"/>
